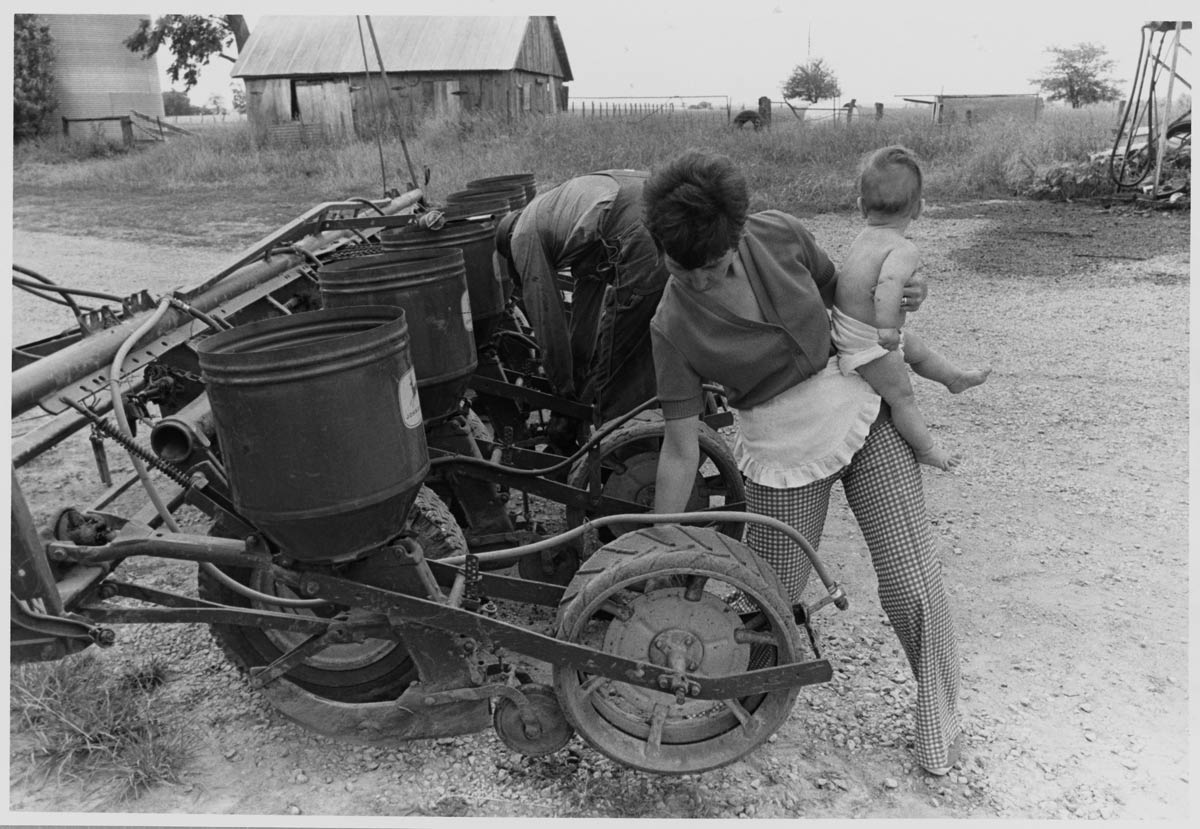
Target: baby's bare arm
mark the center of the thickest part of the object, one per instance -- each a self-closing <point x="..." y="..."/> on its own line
<point x="897" y="269"/>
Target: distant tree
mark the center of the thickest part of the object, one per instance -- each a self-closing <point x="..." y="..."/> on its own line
<point x="177" y="103"/>
<point x="1077" y="75"/>
<point x="33" y="76"/>
<point x="239" y="100"/>
<point x="215" y="104"/>
<point x="812" y="82"/>
<point x="193" y="40"/>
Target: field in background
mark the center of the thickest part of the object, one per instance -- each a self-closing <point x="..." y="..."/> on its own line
<point x="795" y="166"/>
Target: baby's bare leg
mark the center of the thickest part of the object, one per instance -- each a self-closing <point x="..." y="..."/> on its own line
<point x="889" y="377"/>
<point x="933" y="365"/>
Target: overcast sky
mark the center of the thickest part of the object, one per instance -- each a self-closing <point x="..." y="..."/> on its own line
<point x="747" y="48"/>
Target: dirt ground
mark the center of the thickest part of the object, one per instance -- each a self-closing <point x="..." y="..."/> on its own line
<point x="1064" y="541"/>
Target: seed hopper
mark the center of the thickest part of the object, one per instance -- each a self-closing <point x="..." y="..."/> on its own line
<point x="353" y="405"/>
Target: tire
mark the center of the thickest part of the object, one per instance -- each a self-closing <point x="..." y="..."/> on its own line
<point x="371" y="671"/>
<point x="628" y="461"/>
<point x="641" y="572"/>
<point x="748" y="116"/>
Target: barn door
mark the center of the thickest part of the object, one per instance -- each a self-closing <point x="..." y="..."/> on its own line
<point x="325" y="102"/>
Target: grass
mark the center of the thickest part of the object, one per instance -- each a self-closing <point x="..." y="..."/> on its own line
<point x="798" y="167"/>
<point x="76" y="721"/>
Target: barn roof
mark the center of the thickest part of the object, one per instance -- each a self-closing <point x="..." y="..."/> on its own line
<point x="283" y="45"/>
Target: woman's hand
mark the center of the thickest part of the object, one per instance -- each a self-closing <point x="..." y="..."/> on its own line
<point x="914" y="293"/>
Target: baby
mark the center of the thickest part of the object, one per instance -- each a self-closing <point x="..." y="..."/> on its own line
<point x="867" y="312"/>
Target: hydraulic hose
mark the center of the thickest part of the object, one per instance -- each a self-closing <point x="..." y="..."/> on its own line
<point x="513" y="553"/>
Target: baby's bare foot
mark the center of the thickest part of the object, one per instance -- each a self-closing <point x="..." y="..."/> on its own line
<point x="938" y="457"/>
<point x="968" y="379"/>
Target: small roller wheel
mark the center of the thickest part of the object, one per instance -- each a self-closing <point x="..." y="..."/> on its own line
<point x="662" y="595"/>
<point x="539" y="729"/>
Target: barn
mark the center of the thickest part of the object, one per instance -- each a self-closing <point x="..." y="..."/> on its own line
<point x="322" y="74"/>
<point x="97" y="77"/>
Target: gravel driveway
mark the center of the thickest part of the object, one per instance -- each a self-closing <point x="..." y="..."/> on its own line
<point x="1064" y="544"/>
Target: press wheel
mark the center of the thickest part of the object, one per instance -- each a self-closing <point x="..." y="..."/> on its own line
<point x="627" y="463"/>
<point x="660" y="594"/>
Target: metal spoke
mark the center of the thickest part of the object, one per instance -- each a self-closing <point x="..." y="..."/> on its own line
<point x="592" y="685"/>
<point x="695" y="588"/>
<point x="746" y="636"/>
<point x="749" y="724"/>
<point x="654" y="739"/>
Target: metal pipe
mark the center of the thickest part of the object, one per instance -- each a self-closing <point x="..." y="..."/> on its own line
<point x="176" y="437"/>
<point x="62" y="368"/>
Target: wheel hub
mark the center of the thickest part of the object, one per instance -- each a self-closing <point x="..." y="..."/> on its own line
<point x="667" y="629"/>
<point x="634" y="481"/>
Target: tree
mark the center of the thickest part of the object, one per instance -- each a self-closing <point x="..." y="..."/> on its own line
<point x="239" y="100"/>
<point x="193" y="40"/>
<point x="216" y="104"/>
<point x="1077" y="75"/>
<point x="177" y="103"/>
<point x="33" y="76"/>
<point x="812" y="82"/>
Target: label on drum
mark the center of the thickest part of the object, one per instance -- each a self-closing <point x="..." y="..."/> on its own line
<point x="410" y="403"/>
<point x="466" y="311"/>
<point x="499" y="267"/>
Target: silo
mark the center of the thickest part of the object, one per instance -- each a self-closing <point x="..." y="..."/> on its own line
<point x="95" y="73"/>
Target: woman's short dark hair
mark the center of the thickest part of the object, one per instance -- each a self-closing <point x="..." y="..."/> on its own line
<point x="695" y="207"/>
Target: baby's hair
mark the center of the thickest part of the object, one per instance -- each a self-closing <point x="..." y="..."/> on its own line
<point x="890" y="181"/>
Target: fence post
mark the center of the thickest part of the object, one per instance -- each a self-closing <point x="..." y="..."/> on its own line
<point x="66" y="126"/>
<point x="764" y="110"/>
<point x="878" y="111"/>
<point x="127" y="130"/>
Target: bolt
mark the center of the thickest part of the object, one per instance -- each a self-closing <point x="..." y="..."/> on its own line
<point x="430" y="701"/>
<point x="664" y="681"/>
<point x="692" y="665"/>
<point x="310" y="588"/>
<point x="688" y="640"/>
<point x="108" y="590"/>
<point x="680" y="696"/>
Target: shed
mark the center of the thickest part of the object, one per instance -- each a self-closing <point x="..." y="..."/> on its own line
<point x="971" y="109"/>
<point x="96" y="76"/>
<point x="304" y="72"/>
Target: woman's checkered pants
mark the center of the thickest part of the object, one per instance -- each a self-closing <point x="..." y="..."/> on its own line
<point x="883" y="487"/>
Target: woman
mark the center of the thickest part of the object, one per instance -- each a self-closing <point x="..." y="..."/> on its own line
<point x="746" y="307"/>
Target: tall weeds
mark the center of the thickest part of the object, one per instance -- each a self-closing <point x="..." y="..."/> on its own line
<point x="794" y="166"/>
<point x="107" y="733"/>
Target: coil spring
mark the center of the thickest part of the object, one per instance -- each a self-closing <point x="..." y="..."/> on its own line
<point x="169" y="469"/>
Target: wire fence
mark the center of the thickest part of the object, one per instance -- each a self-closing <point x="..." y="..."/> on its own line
<point x="714" y="107"/>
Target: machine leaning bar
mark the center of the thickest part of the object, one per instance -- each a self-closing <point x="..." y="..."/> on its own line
<point x="674" y="649"/>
